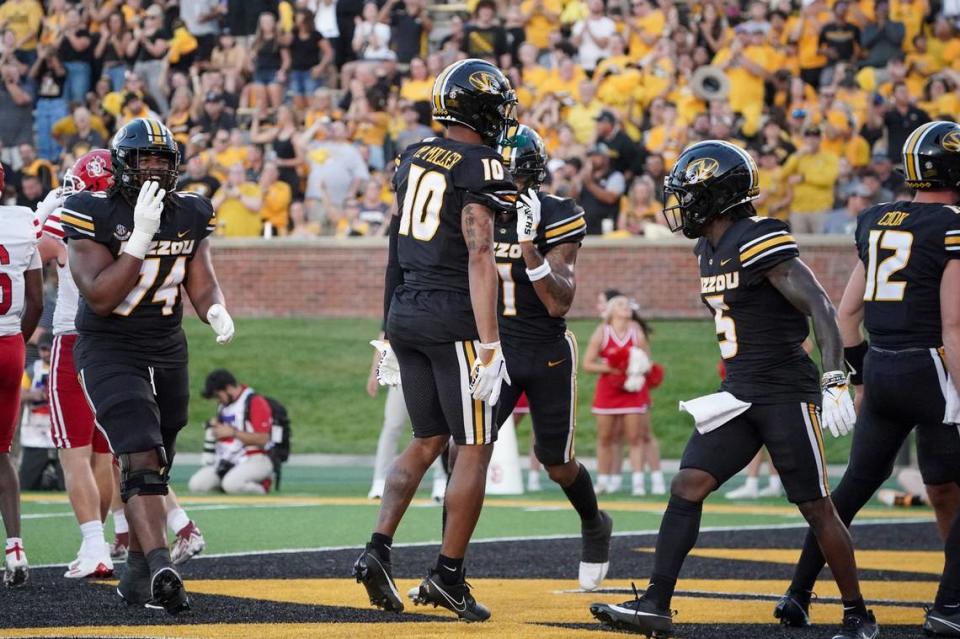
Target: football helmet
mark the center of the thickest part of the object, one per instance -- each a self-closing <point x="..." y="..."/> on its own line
<point x="708" y="179"/>
<point x="138" y="139"/>
<point x="475" y="94"/>
<point x="93" y="171"/>
<point x="525" y="155"/>
<point x="931" y="156"/>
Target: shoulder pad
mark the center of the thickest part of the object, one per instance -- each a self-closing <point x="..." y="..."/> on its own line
<point x="561" y="219"/>
<point x="764" y="237"/>
<point x="84" y="213"/>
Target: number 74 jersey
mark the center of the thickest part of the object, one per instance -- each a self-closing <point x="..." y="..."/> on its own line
<point x="904" y="247"/>
<point x="760" y="332"/>
<point x="146" y="327"/>
<point x="435" y="180"/>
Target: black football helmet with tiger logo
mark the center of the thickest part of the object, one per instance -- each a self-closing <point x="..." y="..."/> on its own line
<point x="931" y="156"/>
<point x="475" y="94"/>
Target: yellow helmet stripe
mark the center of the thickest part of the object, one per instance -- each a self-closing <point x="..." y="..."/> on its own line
<point x="911" y="162"/>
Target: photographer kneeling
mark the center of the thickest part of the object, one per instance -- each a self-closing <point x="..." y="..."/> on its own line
<point x="241" y="432"/>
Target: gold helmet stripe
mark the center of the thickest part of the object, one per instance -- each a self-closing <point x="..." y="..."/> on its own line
<point x="911" y="161"/>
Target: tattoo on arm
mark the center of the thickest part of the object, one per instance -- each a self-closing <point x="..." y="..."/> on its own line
<point x="560" y="284"/>
<point x="476" y="222"/>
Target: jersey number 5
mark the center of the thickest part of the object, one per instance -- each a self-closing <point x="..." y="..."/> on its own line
<point x="725" y="327"/>
<point x="879" y="288"/>
<point x="422" y="203"/>
<point x="6" y="284"/>
<point x="166" y="294"/>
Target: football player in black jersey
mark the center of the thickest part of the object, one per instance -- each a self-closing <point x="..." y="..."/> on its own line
<point x="440" y="306"/>
<point x="536" y="250"/>
<point x="906" y="291"/>
<point x="760" y="294"/>
<point x="131" y="250"/>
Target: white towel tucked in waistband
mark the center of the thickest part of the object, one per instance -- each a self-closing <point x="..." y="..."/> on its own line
<point x="710" y="412"/>
<point x="952" y="414"/>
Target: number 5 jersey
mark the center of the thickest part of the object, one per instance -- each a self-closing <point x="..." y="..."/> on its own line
<point x="146" y="327"/>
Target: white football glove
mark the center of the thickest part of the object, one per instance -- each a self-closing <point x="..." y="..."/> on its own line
<point x="528" y="216"/>
<point x="221" y="323"/>
<point x="53" y="201"/>
<point x="388" y="368"/>
<point x="486" y="380"/>
<point x="837" y="413"/>
<point x="146" y="219"/>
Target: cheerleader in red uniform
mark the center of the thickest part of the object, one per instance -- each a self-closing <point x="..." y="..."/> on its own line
<point x="620" y="352"/>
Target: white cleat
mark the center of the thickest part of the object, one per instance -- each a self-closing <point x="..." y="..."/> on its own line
<point x="770" y="491"/>
<point x="189" y="543"/>
<point x="96" y="567"/>
<point x="439" y="490"/>
<point x="592" y="575"/>
<point x="744" y="492"/>
<point x="376" y="491"/>
<point x="17" y="571"/>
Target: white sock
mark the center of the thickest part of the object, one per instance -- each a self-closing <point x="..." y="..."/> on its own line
<point x="638" y="479"/>
<point x="603" y="482"/>
<point x="93" y="542"/>
<point x="656" y="480"/>
<point x="177" y="519"/>
<point x="615" y="482"/>
<point x="13" y="542"/>
<point x="120" y="525"/>
<point x="775" y="482"/>
<point x="752" y="483"/>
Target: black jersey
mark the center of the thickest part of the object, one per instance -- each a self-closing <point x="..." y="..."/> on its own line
<point x="145" y="328"/>
<point x="435" y="179"/>
<point x="904" y="247"/>
<point x="522" y="314"/>
<point x="760" y="332"/>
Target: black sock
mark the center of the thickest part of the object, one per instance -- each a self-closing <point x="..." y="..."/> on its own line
<point x="159" y="558"/>
<point x="137" y="563"/>
<point x="660" y="590"/>
<point x="948" y="594"/>
<point x="381" y="544"/>
<point x="582" y="496"/>
<point x="679" y="529"/>
<point x="855" y="607"/>
<point x="450" y="569"/>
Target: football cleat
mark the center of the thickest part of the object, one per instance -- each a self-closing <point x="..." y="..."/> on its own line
<point x="941" y="623"/>
<point x="120" y="547"/>
<point x="657" y="485"/>
<point x="97" y="567"/>
<point x="375" y="575"/>
<point x="639" y="615"/>
<point x="439" y="490"/>
<point x="857" y="627"/>
<point x="792" y="611"/>
<point x="747" y="491"/>
<point x="595" y="552"/>
<point x="533" y="482"/>
<point x="134" y="586"/>
<point x="772" y="490"/>
<point x="166" y="590"/>
<point x="455" y="598"/>
<point x="376" y="490"/>
<point x="17" y="570"/>
<point x="188" y="543"/>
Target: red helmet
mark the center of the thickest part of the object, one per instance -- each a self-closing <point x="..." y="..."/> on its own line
<point x="91" y="172"/>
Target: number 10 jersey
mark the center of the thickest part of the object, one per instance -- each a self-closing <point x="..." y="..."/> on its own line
<point x="146" y="327"/>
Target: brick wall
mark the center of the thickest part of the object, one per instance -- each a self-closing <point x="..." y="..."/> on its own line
<point x="345" y="278"/>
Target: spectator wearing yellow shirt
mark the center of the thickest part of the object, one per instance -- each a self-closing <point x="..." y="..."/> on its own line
<point x="747" y="62"/>
<point x="543" y="17"/>
<point x="639" y="208"/>
<point x="237" y="204"/>
<point x="616" y="77"/>
<point x="277" y="195"/>
<point x="812" y="173"/>
<point x="912" y="14"/>
<point x="644" y="28"/>
<point x="565" y="82"/>
<point x="804" y="30"/>
<point x="24" y="18"/>
<point x="419" y="86"/>
<point x="223" y="154"/>
<point x="581" y="115"/>
<point x="774" y="197"/>
<point x="940" y="98"/>
<point x="368" y="123"/>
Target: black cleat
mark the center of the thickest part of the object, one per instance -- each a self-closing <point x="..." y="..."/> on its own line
<point x="167" y="591"/>
<point x="639" y="615"/>
<point x="134" y="586"/>
<point x="858" y="627"/>
<point x="792" y="611"/>
<point x="456" y="598"/>
<point x="941" y="623"/>
<point x="595" y="552"/>
<point x="374" y="574"/>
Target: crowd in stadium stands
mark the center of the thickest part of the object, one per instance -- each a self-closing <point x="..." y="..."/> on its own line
<point x="289" y="113"/>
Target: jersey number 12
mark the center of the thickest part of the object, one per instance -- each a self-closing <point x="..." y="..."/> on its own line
<point x="879" y="288"/>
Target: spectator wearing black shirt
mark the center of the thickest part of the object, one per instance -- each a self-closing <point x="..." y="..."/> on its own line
<point x="901" y="118"/>
<point x="882" y="39"/>
<point x="214" y="116"/>
<point x="625" y="154"/>
<point x="76" y="54"/>
<point x="30" y="192"/>
<point x="148" y="48"/>
<point x="86" y="137"/>
<point x="839" y="39"/>
<point x="483" y="36"/>
<point x="409" y="27"/>
<point x="601" y="188"/>
<point x="50" y="76"/>
<point x="310" y="56"/>
<point x="110" y="52"/>
<point x="270" y="62"/>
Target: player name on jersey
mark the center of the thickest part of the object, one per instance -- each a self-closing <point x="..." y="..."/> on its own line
<point x="439" y="156"/>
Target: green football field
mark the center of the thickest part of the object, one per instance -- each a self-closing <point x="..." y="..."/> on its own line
<point x="318" y="368"/>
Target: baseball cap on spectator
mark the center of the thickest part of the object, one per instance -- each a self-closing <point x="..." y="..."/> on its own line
<point x="217" y="380"/>
<point x="599" y="149"/>
<point x="130" y="96"/>
<point x="606" y="116"/>
<point x="154" y="11"/>
<point x="811" y="132"/>
<point x="214" y="96"/>
<point x="878" y="158"/>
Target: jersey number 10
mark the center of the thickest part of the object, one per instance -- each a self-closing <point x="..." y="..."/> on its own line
<point x="422" y="203"/>
<point x="879" y="288"/>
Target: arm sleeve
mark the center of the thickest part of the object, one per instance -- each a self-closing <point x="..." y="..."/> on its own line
<point x="765" y="244"/>
<point x="260" y="417"/>
<point x="394" y="274"/>
<point x="52" y="226"/>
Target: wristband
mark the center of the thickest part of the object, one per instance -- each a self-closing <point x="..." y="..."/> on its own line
<point x="833" y="379"/>
<point x="540" y="272"/>
<point x="854" y="356"/>
<point x="138" y="244"/>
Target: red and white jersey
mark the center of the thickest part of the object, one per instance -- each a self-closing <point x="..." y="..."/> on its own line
<point x="19" y="234"/>
<point x="259" y="419"/>
<point x="68" y="297"/>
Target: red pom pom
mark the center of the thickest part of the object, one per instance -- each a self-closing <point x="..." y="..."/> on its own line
<point x="654" y="376"/>
<point x="722" y="369"/>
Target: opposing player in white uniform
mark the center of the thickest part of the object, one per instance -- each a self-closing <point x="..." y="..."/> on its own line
<point x="84" y="452"/>
<point x="21" y="301"/>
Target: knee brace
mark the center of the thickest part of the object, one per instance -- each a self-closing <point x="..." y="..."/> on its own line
<point x="143" y="481"/>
